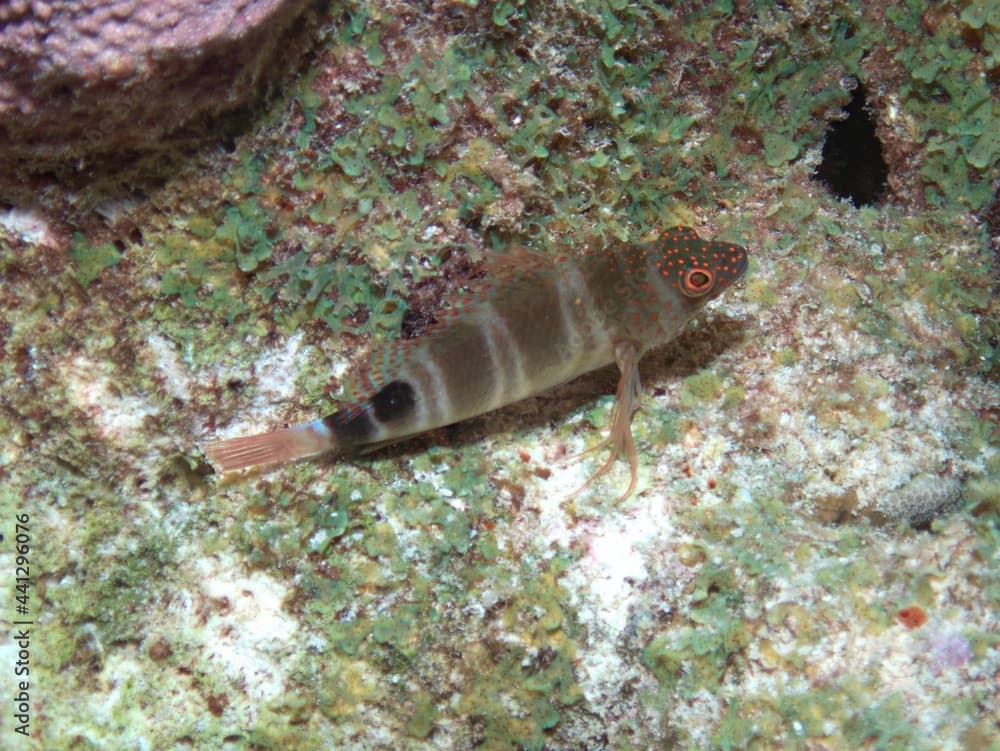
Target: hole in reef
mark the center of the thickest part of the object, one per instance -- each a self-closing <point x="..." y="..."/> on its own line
<point x="853" y="164"/>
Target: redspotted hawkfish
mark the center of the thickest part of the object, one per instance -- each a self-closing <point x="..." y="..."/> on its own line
<point x="533" y="322"/>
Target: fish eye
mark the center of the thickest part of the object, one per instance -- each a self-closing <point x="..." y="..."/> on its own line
<point x="697" y="282"/>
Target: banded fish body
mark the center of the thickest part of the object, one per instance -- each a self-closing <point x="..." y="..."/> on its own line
<point x="534" y="322"/>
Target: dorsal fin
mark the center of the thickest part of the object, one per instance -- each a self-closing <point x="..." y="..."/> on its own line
<point x="517" y="260"/>
<point x="375" y="368"/>
<point x="504" y="273"/>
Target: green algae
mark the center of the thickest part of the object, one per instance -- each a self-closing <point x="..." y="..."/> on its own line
<point x="799" y="716"/>
<point x="658" y="425"/>
<point x="700" y="390"/>
<point x="91" y="261"/>
<point x="948" y="88"/>
<point x="362" y="568"/>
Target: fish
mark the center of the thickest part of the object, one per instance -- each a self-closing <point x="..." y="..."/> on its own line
<point x="533" y="322"/>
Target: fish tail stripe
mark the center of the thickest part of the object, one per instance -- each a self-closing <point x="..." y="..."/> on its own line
<point x="352" y="425"/>
<point x="375" y="418"/>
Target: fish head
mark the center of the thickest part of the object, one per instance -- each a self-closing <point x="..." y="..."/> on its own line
<point x="695" y="270"/>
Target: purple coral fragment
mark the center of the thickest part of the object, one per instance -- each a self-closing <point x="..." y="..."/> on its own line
<point x="948" y="650"/>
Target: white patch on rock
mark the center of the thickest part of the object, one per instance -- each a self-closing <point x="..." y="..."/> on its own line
<point x="30" y="226"/>
<point x="176" y="378"/>
<point x="274" y="380"/>
<point x="245" y="632"/>
<point x="116" y="415"/>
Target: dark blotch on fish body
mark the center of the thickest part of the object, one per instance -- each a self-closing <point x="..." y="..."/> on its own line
<point x="394" y="402"/>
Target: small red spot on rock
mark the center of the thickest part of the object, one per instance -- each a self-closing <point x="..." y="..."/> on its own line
<point x="513" y="489"/>
<point x="555" y="453"/>
<point x="160" y="650"/>
<point x="217" y="703"/>
<point x="912" y="617"/>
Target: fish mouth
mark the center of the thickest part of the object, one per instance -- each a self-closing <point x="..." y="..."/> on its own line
<point x="736" y="266"/>
<point x="742" y="262"/>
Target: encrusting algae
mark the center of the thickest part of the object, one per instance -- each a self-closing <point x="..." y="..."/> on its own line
<point x="534" y="323"/>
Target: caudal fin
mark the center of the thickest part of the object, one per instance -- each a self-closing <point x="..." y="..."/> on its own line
<point x="282" y="445"/>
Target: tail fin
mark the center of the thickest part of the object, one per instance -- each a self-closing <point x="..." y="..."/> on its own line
<point x="282" y="445"/>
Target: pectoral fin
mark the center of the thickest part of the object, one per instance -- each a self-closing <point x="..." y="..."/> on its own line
<point x="620" y="436"/>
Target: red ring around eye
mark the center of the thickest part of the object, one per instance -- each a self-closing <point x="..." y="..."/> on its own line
<point x="697" y="282"/>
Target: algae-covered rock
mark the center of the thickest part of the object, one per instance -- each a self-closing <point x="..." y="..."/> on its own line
<point x="818" y="452"/>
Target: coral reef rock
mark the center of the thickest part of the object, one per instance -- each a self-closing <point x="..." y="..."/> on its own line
<point x="85" y="76"/>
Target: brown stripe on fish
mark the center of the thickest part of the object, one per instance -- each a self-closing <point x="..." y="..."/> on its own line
<point x="465" y="361"/>
<point x="540" y="333"/>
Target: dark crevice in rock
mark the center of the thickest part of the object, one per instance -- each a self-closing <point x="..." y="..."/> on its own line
<point x="853" y="163"/>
